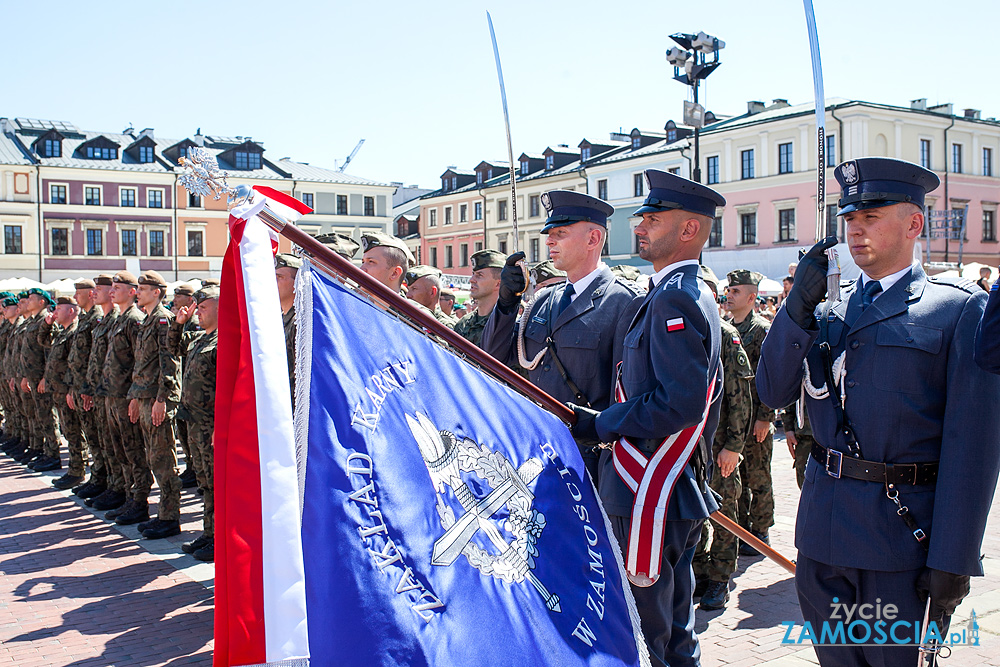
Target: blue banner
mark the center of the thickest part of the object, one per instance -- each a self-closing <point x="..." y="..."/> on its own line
<point x="446" y="519"/>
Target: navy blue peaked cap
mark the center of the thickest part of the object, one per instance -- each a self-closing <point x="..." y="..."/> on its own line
<point x="669" y="191"/>
<point x="873" y="182"/>
<point x="566" y="207"/>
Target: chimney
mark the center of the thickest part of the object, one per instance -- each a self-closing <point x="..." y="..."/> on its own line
<point x="779" y="103"/>
<point x="919" y="104"/>
<point x="944" y="109"/>
<point x="754" y="107"/>
<point x="199" y="138"/>
<point x="146" y="132"/>
<point x="972" y="114"/>
<point x="6" y="126"/>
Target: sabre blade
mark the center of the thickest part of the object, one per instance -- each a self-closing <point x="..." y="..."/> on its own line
<point x="506" y="122"/>
<point x="817" y="71"/>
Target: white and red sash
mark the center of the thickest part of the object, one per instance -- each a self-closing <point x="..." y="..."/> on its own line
<point x="652" y="479"/>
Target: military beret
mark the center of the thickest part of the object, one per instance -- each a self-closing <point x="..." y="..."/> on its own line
<point x="744" y="277"/>
<point x="42" y="293"/>
<point x="670" y="191"/>
<point x="125" y="278"/>
<point x="626" y="272"/>
<point x="371" y="240"/>
<point x="4" y="295"/>
<point x="86" y="283"/>
<point x="209" y="281"/>
<point x="10" y="301"/>
<point x="285" y="259"/>
<point x="104" y="279"/>
<point x="343" y="245"/>
<point x="185" y="289"/>
<point x="447" y="293"/>
<point x="566" y="207"/>
<point x="207" y="292"/>
<point x="485" y="259"/>
<point x="23" y="294"/>
<point x="708" y="275"/>
<point x="420" y="271"/>
<point x="873" y="182"/>
<point x="66" y="300"/>
<point x="545" y="271"/>
<point x="152" y="278"/>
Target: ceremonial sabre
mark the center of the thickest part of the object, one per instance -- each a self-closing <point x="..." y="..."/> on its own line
<point x="833" y="272"/>
<point x="506" y="122"/>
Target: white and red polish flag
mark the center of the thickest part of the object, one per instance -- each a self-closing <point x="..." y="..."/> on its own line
<point x="260" y="599"/>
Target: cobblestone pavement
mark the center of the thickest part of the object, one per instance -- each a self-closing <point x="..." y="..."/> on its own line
<point x="75" y="591"/>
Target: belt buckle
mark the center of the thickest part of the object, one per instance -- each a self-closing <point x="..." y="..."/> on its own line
<point x="839" y="457"/>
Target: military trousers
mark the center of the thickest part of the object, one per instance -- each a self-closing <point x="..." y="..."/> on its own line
<point x="666" y="609"/>
<point x="203" y="463"/>
<point x="181" y="431"/>
<point x="92" y="422"/>
<point x="42" y="421"/>
<point x="69" y="425"/>
<point x="756" y="508"/>
<point x="715" y="558"/>
<point x="803" y="449"/>
<point x="161" y="453"/>
<point x="129" y="450"/>
<point x="13" y="414"/>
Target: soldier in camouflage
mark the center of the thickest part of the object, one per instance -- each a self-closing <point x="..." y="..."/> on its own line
<point x="57" y="332"/>
<point x="423" y="287"/>
<point x="32" y="357"/>
<point x="76" y="362"/>
<point x="15" y="426"/>
<point x="286" y="268"/>
<point x="756" y="510"/>
<point x="153" y="399"/>
<point x="386" y="259"/>
<point x="799" y="438"/>
<point x="484" y="287"/>
<point x="197" y="348"/>
<point x="23" y="399"/>
<point x="184" y="296"/>
<point x="107" y="473"/>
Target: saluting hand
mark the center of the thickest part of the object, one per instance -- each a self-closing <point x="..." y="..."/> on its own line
<point x="184" y="313"/>
<point x="50" y="317"/>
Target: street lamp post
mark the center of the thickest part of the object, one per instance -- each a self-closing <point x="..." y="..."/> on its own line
<point x="691" y="64"/>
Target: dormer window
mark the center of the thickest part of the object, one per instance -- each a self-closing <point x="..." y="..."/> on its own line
<point x="444" y="184"/>
<point x="636" y="142"/>
<point x="102" y="153"/>
<point x="550" y="162"/>
<point x="145" y="154"/>
<point x="246" y="160"/>
<point x="454" y="182"/>
<point x="52" y="148"/>
<point x="671" y="136"/>
<point x="479" y="178"/>
<point x="525" y="167"/>
<point x="585" y="154"/>
<point x="489" y="174"/>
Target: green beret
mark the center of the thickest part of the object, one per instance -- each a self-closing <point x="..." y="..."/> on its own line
<point x="125" y="278"/>
<point x="207" y="292"/>
<point x="744" y="277"/>
<point x="152" y="278"/>
<point x="23" y="294"/>
<point x="10" y="301"/>
<point x="420" y="271"/>
<point x="545" y="271"/>
<point x="344" y="246"/>
<point x="371" y="240"/>
<point x="6" y="295"/>
<point x="285" y="259"/>
<point x="485" y="259"/>
<point x="626" y="272"/>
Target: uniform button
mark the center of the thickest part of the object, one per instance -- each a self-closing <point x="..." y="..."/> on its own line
<point x="546" y="367"/>
<point x="855" y="344"/>
<point x="851" y="383"/>
<point x="796" y="345"/>
<point x="909" y="340"/>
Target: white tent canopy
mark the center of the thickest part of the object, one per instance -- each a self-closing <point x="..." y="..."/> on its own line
<point x="19" y="284"/>
<point x="64" y="286"/>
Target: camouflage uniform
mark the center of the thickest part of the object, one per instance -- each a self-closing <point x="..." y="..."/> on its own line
<point x="110" y="472"/>
<point x="156" y="378"/>
<point x="735" y="420"/>
<point x="14" y="423"/>
<point x="57" y="379"/>
<point x="77" y="360"/>
<point x="39" y="406"/>
<point x="181" y="419"/>
<point x="126" y="437"/>
<point x="804" y="435"/>
<point x="448" y="320"/>
<point x="288" y="322"/>
<point x="756" y="509"/>
<point x="197" y="348"/>
<point x="471" y="327"/>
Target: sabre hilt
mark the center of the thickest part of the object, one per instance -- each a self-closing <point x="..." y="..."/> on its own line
<point x="832" y="275"/>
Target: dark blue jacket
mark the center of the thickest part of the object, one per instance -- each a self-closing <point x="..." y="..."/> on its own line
<point x="988" y="334"/>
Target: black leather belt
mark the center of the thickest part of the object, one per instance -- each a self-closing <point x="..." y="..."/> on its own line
<point x="836" y="465"/>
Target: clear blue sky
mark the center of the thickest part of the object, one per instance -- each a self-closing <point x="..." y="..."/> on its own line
<point x="417" y="81"/>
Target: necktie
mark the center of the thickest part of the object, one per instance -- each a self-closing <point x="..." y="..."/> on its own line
<point x="652" y="285"/>
<point x="564" y="300"/>
<point x="870" y="291"/>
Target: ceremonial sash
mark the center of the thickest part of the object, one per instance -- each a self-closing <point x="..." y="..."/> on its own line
<point x="652" y="479"/>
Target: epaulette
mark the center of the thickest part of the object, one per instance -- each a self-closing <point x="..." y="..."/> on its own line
<point x="963" y="284"/>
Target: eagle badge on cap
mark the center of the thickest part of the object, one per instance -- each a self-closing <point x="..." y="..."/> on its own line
<point x="849" y="170"/>
<point x="545" y="200"/>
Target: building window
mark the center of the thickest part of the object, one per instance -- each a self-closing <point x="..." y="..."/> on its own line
<point x="636" y="142"/>
<point x="989" y="226"/>
<point x="247" y="161"/>
<point x="785" y="159"/>
<point x="57" y="194"/>
<point x="127" y="196"/>
<point x="502" y="209"/>
<point x="478" y="211"/>
<point x="479" y="246"/>
<point x="341" y="204"/>
<point x="638" y="185"/>
<point x="748" y="228"/>
<point x="831" y="150"/>
<point x="432" y="218"/>
<point x="987" y="162"/>
<point x="786" y="225"/>
<point x="479" y="178"/>
<point x="502" y="247"/>
<point x="535" y="250"/>
<point x="194" y="201"/>
<point x="156" y="243"/>
<point x="448" y="261"/>
<point x="447" y="215"/>
<point x="602" y="189"/>
<point x="671" y="136"/>
<point x="307" y="199"/>
<point x="831" y="220"/>
<point x="956" y="158"/>
<point x="746" y="164"/>
<point x="550" y="162"/>
<point x="525" y="166"/>
<point x="182" y="151"/>
<point x="95" y="242"/>
<point x="463" y="254"/>
<point x="533" y="204"/>
<point x="195" y="243"/>
<point x="12" y="239"/>
<point x="369" y="206"/>
<point x="712" y="169"/>
<point x="434" y="257"/>
<point x="95" y="153"/>
<point x="925" y="153"/>
<point x="53" y="148"/>
<point x="154" y="198"/>
<point x="92" y="196"/>
<point x="463" y="213"/>
<point x="585" y="154"/>
<point x="145" y="154"/>
<point x="130" y="243"/>
<point x="715" y="236"/>
<point x="60" y="241"/>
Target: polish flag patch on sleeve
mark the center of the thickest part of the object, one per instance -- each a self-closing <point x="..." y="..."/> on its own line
<point x="675" y="324"/>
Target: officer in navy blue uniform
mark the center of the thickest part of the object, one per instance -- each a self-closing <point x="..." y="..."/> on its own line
<point x="571" y="342"/>
<point x="670" y="367"/>
<point x="988" y="335"/>
<point x="911" y="427"/>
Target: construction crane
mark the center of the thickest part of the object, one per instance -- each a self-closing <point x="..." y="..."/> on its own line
<point x="351" y="156"/>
